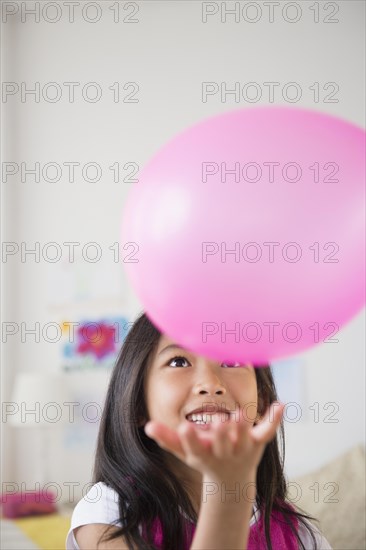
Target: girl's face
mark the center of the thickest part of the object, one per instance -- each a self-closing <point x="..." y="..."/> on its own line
<point x="178" y="382"/>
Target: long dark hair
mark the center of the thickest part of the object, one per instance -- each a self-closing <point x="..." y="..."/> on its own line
<point x="136" y="467"/>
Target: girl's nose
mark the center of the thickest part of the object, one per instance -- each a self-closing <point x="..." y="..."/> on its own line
<point x="209" y="383"/>
<point x="219" y="390"/>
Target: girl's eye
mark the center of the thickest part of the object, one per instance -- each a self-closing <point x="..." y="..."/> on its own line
<point x="178" y="358"/>
<point x="225" y="365"/>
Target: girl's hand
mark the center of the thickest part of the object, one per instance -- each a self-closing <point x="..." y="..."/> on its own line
<point x="229" y="450"/>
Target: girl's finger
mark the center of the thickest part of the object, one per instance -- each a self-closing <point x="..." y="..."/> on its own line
<point x="266" y="428"/>
<point x="242" y="427"/>
<point x="165" y="437"/>
<point x="222" y="443"/>
<point x="190" y="441"/>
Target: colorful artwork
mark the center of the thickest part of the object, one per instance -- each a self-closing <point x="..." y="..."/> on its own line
<point x="91" y="344"/>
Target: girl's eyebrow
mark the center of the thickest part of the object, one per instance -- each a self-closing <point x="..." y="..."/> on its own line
<point x="171" y="346"/>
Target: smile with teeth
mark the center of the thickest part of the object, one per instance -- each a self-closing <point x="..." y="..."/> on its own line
<point x="206" y="418"/>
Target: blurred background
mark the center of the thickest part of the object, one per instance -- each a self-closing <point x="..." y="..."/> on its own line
<point x="90" y="91"/>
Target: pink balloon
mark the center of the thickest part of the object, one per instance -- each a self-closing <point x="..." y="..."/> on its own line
<point x="250" y="233"/>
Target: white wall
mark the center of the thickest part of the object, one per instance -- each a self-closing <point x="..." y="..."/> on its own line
<point x="169" y="52"/>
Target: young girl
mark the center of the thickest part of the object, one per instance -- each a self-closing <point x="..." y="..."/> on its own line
<point x="187" y="457"/>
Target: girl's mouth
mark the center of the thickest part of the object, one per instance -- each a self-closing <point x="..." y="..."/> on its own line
<point x="203" y="421"/>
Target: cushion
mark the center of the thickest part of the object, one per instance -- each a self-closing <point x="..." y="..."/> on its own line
<point x="335" y="495"/>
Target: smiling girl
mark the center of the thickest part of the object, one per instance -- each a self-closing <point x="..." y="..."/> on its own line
<point x="188" y="458"/>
